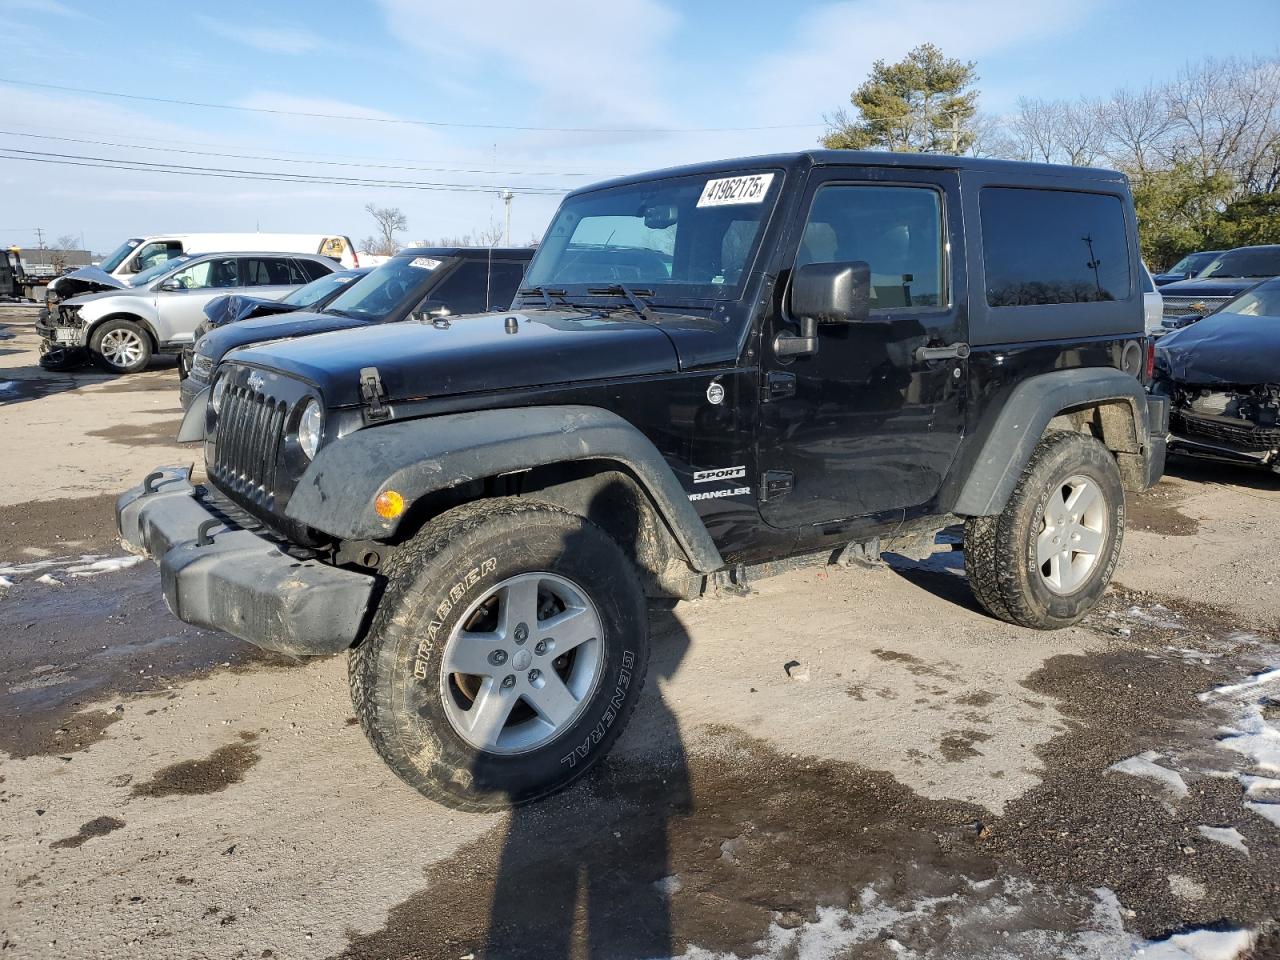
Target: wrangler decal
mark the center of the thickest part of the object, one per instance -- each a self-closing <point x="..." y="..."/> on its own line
<point x="456" y="593"/>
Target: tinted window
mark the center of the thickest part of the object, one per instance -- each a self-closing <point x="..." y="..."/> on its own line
<point x="311" y="269"/>
<point x="464" y="290"/>
<point x="896" y="230"/>
<point x="1246" y="262"/>
<point x="1053" y="246"/>
<point x="399" y="281"/>
<point x="272" y="272"/>
<point x="504" y="281"/>
<point x="318" y="290"/>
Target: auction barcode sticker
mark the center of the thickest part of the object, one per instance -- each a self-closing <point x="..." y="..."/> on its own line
<point x="749" y="189"/>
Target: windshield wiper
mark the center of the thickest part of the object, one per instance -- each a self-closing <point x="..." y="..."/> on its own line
<point x="546" y="295"/>
<point x="635" y="298"/>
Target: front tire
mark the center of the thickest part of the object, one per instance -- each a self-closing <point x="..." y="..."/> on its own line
<point x="120" y="346"/>
<point x="506" y="655"/>
<point x="1047" y="559"/>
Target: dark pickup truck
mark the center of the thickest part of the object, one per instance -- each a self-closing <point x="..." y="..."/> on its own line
<point x="708" y="370"/>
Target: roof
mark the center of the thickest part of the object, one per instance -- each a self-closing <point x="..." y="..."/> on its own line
<point x="870" y="158"/>
<point x="520" y="253"/>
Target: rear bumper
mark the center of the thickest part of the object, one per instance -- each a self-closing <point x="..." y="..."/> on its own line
<point x="1157" y="437"/>
<point x="215" y="574"/>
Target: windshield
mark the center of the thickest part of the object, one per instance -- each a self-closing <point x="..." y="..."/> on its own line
<point x="374" y="296"/>
<point x="1258" y="262"/>
<point x="1262" y="301"/>
<point x="1193" y="263"/>
<point x="143" y="277"/>
<point x="116" y="256"/>
<point x="687" y="238"/>
<point x="317" y="290"/>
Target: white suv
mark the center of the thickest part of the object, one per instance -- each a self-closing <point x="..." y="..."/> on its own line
<point x="159" y="309"/>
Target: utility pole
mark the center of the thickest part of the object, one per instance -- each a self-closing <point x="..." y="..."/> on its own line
<point x="507" y="197"/>
<point x="39" y="238"/>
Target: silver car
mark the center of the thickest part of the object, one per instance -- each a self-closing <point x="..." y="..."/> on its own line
<point x="158" y="310"/>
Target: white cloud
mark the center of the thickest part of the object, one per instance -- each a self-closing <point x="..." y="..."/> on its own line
<point x="831" y="49"/>
<point x="269" y="38"/>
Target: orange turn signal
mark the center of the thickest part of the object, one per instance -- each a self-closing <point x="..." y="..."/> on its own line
<point x="389" y="505"/>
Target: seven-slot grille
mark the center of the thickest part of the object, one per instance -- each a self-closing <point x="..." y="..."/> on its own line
<point x="1181" y="306"/>
<point x="250" y="432"/>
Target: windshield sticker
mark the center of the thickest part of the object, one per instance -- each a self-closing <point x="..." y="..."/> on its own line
<point x="730" y="190"/>
<point x="424" y="263"/>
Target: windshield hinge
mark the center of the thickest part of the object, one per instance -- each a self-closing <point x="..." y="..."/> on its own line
<point x="373" y="394"/>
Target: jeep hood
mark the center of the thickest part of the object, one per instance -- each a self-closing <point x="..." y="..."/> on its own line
<point x="481" y="353"/>
<point x="220" y="341"/>
<point x="1223" y="348"/>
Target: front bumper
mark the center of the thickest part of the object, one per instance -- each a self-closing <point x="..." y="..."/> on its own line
<point x="216" y="574"/>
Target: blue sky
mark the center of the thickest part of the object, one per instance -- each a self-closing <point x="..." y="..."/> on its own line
<point x="642" y="65"/>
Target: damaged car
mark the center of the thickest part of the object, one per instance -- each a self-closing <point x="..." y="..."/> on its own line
<point x="1222" y="376"/>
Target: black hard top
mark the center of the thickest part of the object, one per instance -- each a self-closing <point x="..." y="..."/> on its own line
<point x="472" y="253"/>
<point x="871" y="158"/>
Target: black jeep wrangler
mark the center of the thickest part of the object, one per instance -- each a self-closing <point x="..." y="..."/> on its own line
<point x="708" y="368"/>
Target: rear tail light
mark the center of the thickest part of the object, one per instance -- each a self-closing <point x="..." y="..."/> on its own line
<point x="1151" y="358"/>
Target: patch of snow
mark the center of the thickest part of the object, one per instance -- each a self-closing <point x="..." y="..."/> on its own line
<point x="1260" y="786"/>
<point x="1257" y="680"/>
<point x="1228" y="836"/>
<point x="48" y="581"/>
<point x="1256" y="739"/>
<point x="35" y="566"/>
<point x="5" y="582"/>
<point x="981" y="919"/>
<point x="669" y="886"/>
<point x="8" y="386"/>
<point x="1155" y="618"/>
<point x="1199" y="945"/>
<point x="105" y="565"/>
<point x="1268" y="811"/>
<point x="1144" y="765"/>
<point x="40" y="681"/>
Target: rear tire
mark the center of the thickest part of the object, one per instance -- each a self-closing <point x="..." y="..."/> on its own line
<point x="1047" y="559"/>
<point x="491" y="615"/>
<point x="120" y="346"/>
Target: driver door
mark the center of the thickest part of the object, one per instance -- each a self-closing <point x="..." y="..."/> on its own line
<point x="867" y="425"/>
<point x="180" y="311"/>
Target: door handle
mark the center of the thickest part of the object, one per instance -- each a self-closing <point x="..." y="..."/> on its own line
<point x="954" y="351"/>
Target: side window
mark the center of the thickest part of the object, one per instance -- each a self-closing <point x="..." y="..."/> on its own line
<point x="463" y="291"/>
<point x="504" y="280"/>
<point x="209" y="274"/>
<point x="271" y="272"/>
<point x="311" y="270"/>
<point x="1053" y="246"/>
<point x="896" y="230"/>
<point x="158" y="252"/>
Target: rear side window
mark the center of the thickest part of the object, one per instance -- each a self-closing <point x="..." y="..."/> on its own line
<point x="311" y="270"/>
<point x="1053" y="246"/>
<point x="504" y="280"/>
<point x="156" y="252"/>
<point x="272" y="272"/>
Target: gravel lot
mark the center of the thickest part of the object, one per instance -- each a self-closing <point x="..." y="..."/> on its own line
<point x="842" y="763"/>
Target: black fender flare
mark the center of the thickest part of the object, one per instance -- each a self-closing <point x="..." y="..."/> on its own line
<point x="419" y="457"/>
<point x="1021" y="423"/>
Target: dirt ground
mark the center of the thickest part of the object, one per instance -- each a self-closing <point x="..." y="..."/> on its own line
<point x="843" y="763"/>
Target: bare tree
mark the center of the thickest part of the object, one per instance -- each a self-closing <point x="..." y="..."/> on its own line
<point x="1035" y="128"/>
<point x="62" y="245"/>
<point x="1080" y="139"/>
<point x="389" y="220"/>
<point x="1135" y="128"/>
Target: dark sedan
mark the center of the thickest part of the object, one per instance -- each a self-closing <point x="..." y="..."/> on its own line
<point x="1222" y="376"/>
<point x="1228" y="276"/>
<point x="234" y="307"/>
<point x="1187" y="267"/>
<point x="424" y="282"/>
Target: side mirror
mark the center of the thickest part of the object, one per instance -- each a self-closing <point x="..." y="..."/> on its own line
<point x="170" y="286"/>
<point x="432" y="310"/>
<point x="825" y="293"/>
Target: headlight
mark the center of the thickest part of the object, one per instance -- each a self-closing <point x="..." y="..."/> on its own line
<point x="201" y="366"/>
<point x="215" y="398"/>
<point x="309" y="428"/>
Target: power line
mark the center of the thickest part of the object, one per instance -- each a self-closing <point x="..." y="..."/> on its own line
<point x="327" y="163"/>
<point x="138" y="166"/>
<point x="400" y="120"/>
<point x="291" y="153"/>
